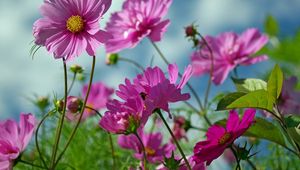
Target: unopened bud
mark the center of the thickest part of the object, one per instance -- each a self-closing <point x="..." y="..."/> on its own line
<point x="76" y="68"/>
<point x="42" y="102"/>
<point x="74" y="104"/>
<point x="59" y="104"/>
<point x="112" y="59"/>
<point x="191" y="31"/>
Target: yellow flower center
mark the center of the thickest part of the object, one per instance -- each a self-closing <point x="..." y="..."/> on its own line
<point x="75" y="24"/>
<point x="224" y="138"/>
<point x="149" y="151"/>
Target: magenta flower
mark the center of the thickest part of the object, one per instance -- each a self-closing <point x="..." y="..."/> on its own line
<point x="155" y="151"/>
<point x="99" y="95"/>
<point x="219" y="138"/>
<point x="156" y="90"/>
<point x="179" y="128"/>
<point x="124" y="117"/>
<point x="229" y="51"/>
<point x="138" y="19"/>
<point x="290" y="98"/>
<point x="70" y="27"/>
<point x="14" y="138"/>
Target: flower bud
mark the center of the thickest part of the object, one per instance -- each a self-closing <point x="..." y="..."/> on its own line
<point x="81" y="77"/>
<point x="59" y="104"/>
<point x="76" y="68"/>
<point x="191" y="31"/>
<point x="74" y="104"/>
<point x="172" y="162"/>
<point x="112" y="59"/>
<point x="42" y="102"/>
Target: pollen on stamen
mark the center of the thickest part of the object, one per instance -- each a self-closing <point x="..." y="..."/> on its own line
<point x="224" y="138"/>
<point x="75" y="24"/>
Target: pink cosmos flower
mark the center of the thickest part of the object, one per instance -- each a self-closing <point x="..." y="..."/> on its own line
<point x="99" y="95"/>
<point x="155" y="151"/>
<point x="179" y="128"/>
<point x="229" y="51"/>
<point x="219" y="138"/>
<point x="124" y="117"/>
<point x="70" y="27"/>
<point x="156" y="90"/>
<point x="290" y="98"/>
<point x="14" y="138"/>
<point x="138" y="19"/>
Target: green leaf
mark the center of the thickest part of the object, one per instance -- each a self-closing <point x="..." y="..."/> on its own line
<point x="295" y="134"/>
<point x="271" y="26"/>
<point x="292" y="121"/>
<point x="248" y="85"/>
<point x="260" y="99"/>
<point x="262" y="129"/>
<point x="228" y="99"/>
<point x="275" y="82"/>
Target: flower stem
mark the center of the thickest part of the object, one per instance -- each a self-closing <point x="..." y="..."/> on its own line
<point x="36" y="138"/>
<point x="72" y="83"/>
<point x="61" y="121"/>
<point x="112" y="151"/>
<point x="132" y="62"/>
<point x="110" y="139"/>
<point x="31" y="164"/>
<point x="144" y="150"/>
<point x="81" y="113"/>
<point x="238" y="166"/>
<point x="174" y="139"/>
<point x="180" y="75"/>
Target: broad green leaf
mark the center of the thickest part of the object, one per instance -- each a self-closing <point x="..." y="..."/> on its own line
<point x="295" y="134"/>
<point x="248" y="85"/>
<point x="275" y="82"/>
<point x="228" y="99"/>
<point x="292" y="121"/>
<point x="260" y="99"/>
<point x="271" y="26"/>
<point x="262" y="129"/>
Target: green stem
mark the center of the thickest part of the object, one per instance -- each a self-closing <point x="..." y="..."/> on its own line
<point x="144" y="150"/>
<point x="31" y="164"/>
<point x="210" y="72"/>
<point x="110" y="139"/>
<point x="132" y="62"/>
<point x="174" y="139"/>
<point x="81" y="113"/>
<point x="36" y="138"/>
<point x="180" y="75"/>
<point x="61" y="121"/>
<point x="72" y="83"/>
<point x="238" y="166"/>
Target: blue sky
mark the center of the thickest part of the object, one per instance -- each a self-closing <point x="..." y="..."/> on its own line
<point x="21" y="77"/>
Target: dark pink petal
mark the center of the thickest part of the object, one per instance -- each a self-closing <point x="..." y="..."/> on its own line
<point x="233" y="121"/>
<point x="215" y="132"/>
<point x="158" y="30"/>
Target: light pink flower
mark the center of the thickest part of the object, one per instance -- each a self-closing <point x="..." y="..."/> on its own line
<point x="229" y="51"/>
<point x="219" y="138"/>
<point x="289" y="98"/>
<point x="137" y="20"/>
<point x="124" y="117"/>
<point x="155" y="151"/>
<point x="14" y="138"/>
<point x="70" y="27"/>
<point x="99" y="95"/>
<point x="156" y="89"/>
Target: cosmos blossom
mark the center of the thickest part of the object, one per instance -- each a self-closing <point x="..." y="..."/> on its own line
<point x="124" y="117"/>
<point x="219" y="138"/>
<point x="155" y="151"/>
<point x="229" y="51"/>
<point x="156" y="90"/>
<point x="70" y="27"/>
<point x="14" y="138"/>
<point x="137" y="19"/>
<point x="98" y="97"/>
